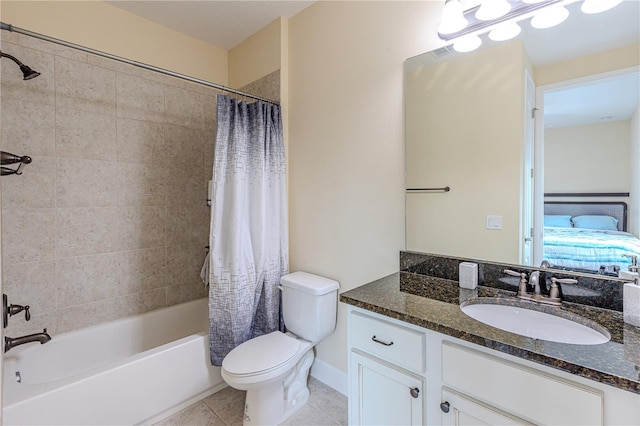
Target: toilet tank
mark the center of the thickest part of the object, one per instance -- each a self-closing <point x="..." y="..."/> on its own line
<point x="309" y="304"/>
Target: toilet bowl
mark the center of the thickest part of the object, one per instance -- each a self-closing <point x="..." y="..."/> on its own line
<point x="273" y="368"/>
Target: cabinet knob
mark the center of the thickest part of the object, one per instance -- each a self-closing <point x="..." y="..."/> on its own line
<point x="414" y="392"/>
<point x="444" y="407"/>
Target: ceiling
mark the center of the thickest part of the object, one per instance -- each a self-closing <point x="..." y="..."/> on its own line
<point x="222" y="23"/>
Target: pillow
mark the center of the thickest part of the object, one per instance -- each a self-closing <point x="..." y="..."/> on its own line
<point x="596" y="222"/>
<point x="561" y="221"/>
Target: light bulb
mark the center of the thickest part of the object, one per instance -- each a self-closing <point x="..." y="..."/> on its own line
<point x="492" y="9"/>
<point x="549" y="17"/>
<point x="504" y="32"/>
<point x="452" y="18"/>
<point x="467" y="44"/>
<point x="597" y="6"/>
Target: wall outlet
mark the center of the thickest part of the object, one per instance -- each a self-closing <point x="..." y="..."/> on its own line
<point x="494" y="222"/>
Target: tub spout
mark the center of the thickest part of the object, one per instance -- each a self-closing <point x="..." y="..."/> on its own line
<point x="10" y="342"/>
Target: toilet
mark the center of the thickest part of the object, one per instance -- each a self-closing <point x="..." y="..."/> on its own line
<point x="273" y="368"/>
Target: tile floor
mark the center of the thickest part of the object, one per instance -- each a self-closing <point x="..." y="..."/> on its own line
<point x="224" y="408"/>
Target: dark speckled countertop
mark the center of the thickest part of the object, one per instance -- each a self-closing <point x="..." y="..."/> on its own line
<point x="434" y="304"/>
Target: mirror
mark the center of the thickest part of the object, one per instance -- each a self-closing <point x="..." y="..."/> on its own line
<point x="468" y="128"/>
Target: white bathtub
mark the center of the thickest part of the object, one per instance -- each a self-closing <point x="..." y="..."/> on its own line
<point x="129" y="371"/>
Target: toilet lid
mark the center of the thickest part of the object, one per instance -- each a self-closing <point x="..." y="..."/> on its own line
<point x="261" y="354"/>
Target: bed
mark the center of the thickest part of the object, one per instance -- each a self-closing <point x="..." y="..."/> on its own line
<point x="588" y="235"/>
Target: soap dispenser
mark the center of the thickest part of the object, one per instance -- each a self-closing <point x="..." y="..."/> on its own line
<point x="632" y="272"/>
<point x="631" y="302"/>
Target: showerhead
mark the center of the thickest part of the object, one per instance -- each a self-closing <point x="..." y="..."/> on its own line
<point x="27" y="72"/>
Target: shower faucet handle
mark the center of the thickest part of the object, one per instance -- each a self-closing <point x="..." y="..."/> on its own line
<point x="11" y="310"/>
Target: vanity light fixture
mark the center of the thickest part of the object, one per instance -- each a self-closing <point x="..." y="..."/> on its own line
<point x="597" y="6"/>
<point x="467" y="43"/>
<point x="494" y="9"/>
<point x="550" y="17"/>
<point x="499" y="18"/>
<point x="453" y="19"/>
<point x="506" y="31"/>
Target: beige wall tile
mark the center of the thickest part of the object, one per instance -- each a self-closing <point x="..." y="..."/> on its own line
<point x="139" y="99"/>
<point x="184" y="293"/>
<point x="141" y="270"/>
<point x="184" y="185"/>
<point x="35" y="187"/>
<point x="186" y="224"/>
<point x="31" y="284"/>
<point x="86" y="230"/>
<point x="9" y="37"/>
<point x="140" y="142"/>
<point x="210" y="113"/>
<point x="85" y="183"/>
<point x="54" y="49"/>
<point x="27" y="235"/>
<point x="184" y="146"/>
<point x="208" y="154"/>
<point x="141" y="227"/>
<point x="138" y="303"/>
<point x="84" y="134"/>
<point x="81" y="316"/>
<point x="28" y="128"/>
<point x="86" y="279"/>
<point x="184" y="108"/>
<point x="141" y="184"/>
<point x="84" y="87"/>
<point x="38" y="90"/>
<point x="184" y="263"/>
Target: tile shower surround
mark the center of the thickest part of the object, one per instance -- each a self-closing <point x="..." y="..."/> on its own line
<point x="110" y="219"/>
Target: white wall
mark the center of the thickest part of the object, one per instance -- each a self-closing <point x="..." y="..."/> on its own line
<point x="589" y="158"/>
<point x="346" y="141"/>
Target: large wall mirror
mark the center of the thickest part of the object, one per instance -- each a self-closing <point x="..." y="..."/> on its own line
<point x="487" y="180"/>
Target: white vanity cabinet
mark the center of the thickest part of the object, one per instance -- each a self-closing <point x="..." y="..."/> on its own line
<point x="386" y="372"/>
<point x="460" y="383"/>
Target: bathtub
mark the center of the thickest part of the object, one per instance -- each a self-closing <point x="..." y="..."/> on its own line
<point x="129" y="371"/>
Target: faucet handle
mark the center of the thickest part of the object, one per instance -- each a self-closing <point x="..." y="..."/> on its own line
<point x="16" y="309"/>
<point x="555" y="280"/>
<point x="522" y="275"/>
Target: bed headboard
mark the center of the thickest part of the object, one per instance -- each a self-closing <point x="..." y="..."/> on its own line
<point x="617" y="209"/>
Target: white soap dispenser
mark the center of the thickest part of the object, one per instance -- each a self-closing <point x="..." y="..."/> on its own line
<point x="632" y="272"/>
<point x="631" y="302"/>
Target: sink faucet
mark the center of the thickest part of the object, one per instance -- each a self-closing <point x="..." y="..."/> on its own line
<point x="10" y="342"/>
<point x="534" y="281"/>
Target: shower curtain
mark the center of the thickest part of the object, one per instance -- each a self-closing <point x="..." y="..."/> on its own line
<point x="248" y="236"/>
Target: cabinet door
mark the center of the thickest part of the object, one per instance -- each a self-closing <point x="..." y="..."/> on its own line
<point x="380" y="394"/>
<point x="458" y="410"/>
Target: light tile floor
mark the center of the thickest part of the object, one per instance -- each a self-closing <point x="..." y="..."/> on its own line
<point x="224" y="408"/>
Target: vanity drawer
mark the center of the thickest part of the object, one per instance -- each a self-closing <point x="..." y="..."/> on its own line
<point x="520" y="390"/>
<point x="394" y="343"/>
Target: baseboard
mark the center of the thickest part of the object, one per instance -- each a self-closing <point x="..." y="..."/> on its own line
<point x="329" y="375"/>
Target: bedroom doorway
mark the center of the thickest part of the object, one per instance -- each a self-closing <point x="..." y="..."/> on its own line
<point x="587" y="152"/>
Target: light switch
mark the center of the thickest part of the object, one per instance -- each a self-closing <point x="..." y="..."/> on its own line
<point x="494" y="222"/>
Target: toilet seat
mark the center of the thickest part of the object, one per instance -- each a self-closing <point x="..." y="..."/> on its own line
<point x="261" y="355"/>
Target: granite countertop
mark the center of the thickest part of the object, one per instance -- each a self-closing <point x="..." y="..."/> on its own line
<point x="434" y="304"/>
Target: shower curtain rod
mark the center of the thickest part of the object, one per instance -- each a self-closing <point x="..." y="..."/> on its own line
<point x="11" y="28"/>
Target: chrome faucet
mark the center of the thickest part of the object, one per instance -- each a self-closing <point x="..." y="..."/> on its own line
<point x="10" y="342"/>
<point x="534" y="281"/>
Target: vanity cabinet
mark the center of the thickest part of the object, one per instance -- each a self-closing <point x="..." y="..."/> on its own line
<point x="461" y="410"/>
<point x="493" y="386"/>
<point x="386" y="365"/>
<point x="460" y="383"/>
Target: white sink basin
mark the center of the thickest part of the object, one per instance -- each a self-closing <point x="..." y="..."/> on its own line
<point x="537" y="325"/>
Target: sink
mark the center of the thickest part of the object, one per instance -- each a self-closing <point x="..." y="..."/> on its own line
<point x="568" y="328"/>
